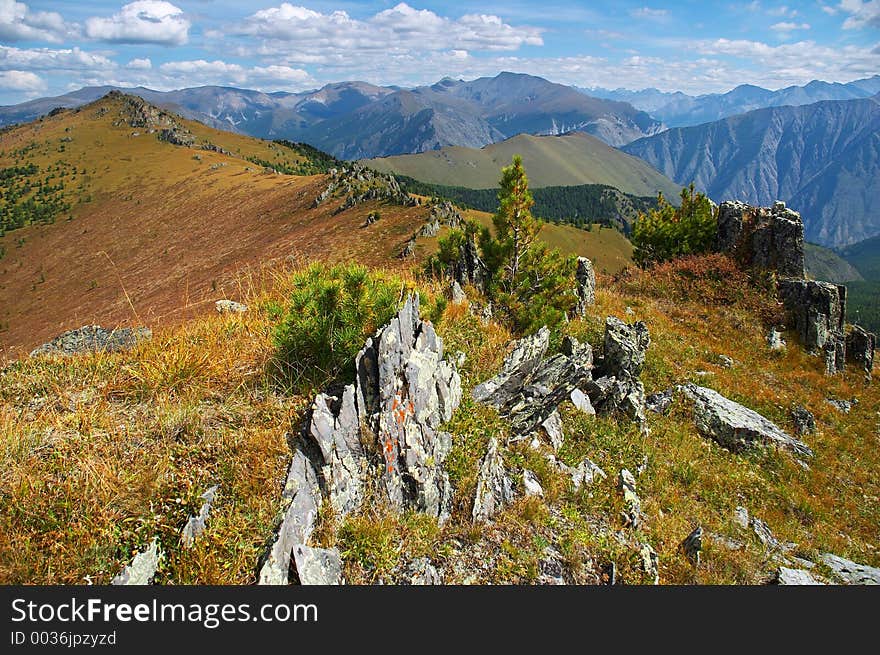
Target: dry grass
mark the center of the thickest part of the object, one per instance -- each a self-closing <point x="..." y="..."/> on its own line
<point x="100" y="453"/>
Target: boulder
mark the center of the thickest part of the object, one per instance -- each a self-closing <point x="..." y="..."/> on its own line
<point x="421" y="572"/>
<point x="553" y="429"/>
<point x="660" y="402"/>
<point x="142" y="568"/>
<point x="303" y="497"/>
<point x="850" y="572"/>
<point x="494" y="486"/>
<point x="795" y="577"/>
<point x="456" y="292"/>
<point x="692" y="545"/>
<point x="469" y="268"/>
<point x="93" y="338"/>
<point x="649" y="562"/>
<point x="585" y="289"/>
<point x="860" y="346"/>
<point x="318" y="566"/>
<point x="804" y="421"/>
<point x="585" y="474"/>
<point x="197" y="524"/>
<point x="531" y="484"/>
<point x="736" y="427"/>
<point x="775" y="340"/>
<point x="582" y="402"/>
<point x="626" y="483"/>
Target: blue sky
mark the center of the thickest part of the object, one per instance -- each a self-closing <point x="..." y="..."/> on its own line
<point x="48" y="48"/>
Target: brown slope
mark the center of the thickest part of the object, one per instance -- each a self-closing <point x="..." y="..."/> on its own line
<point x="163" y="233"/>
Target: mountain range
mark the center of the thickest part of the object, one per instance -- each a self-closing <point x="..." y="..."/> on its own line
<point x="822" y="159"/>
<point x="677" y="109"/>
<point x="354" y="120"/>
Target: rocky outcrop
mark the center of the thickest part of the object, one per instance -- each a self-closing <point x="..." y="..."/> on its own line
<point x="142" y="568"/>
<point x="692" y="545"/>
<point x="860" y="345"/>
<point x="360" y="184"/>
<point x="494" y="486"/>
<point x="469" y="268"/>
<point x="795" y="577"/>
<point x="736" y="427"/>
<point x="404" y="390"/>
<point x="530" y="387"/>
<point x="818" y="310"/>
<point x="585" y="288"/>
<point x="632" y="513"/>
<point x="617" y="387"/>
<point x="177" y="136"/>
<point x="197" y="524"/>
<point x="770" y="238"/>
<point x="93" y="338"/>
<point x="303" y="497"/>
<point x="445" y="213"/>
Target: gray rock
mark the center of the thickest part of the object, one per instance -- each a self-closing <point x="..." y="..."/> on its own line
<point x="770" y="238"/>
<point x="551" y="568"/>
<point x="775" y="340"/>
<point x="850" y="572"/>
<point x="692" y="545"/>
<point x="494" y="487"/>
<point x="469" y="268"/>
<point x="736" y="427"/>
<point x="529" y="388"/>
<point x="421" y="572"/>
<point x="842" y="406"/>
<point x="585" y="474"/>
<point x="457" y="293"/>
<point x="795" y="577"/>
<point x="93" y="338"/>
<point x="626" y="483"/>
<point x="303" y="497"/>
<point x="763" y="532"/>
<point x="804" y="421"/>
<point x="582" y="402"/>
<point x="725" y="362"/>
<point x="818" y="310"/>
<point x="553" y="429"/>
<point x="585" y="290"/>
<point x="625" y="347"/>
<point x="660" y="402"/>
<point x="142" y="568"/>
<point x="230" y="307"/>
<point x="741" y="517"/>
<point x="649" y="562"/>
<point x="860" y="346"/>
<point x="409" y="250"/>
<point x="196" y="524"/>
<point x="318" y="566"/>
<point x="617" y="388"/>
<point x="531" y="484"/>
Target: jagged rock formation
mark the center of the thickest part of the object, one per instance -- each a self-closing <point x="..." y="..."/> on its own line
<point x="775" y="340"/>
<point x="142" y="568"/>
<point x="585" y="289"/>
<point x="736" y="427"/>
<point x="617" y="387"/>
<point x="93" y="338"/>
<point x="818" y="310"/>
<point x="860" y="345"/>
<point x="770" y="238"/>
<point x="531" y="484"/>
<point x="197" y="524"/>
<point x="692" y="545"/>
<point x="585" y="474"/>
<point x="456" y="293"/>
<point x="404" y="390"/>
<point x="303" y="495"/>
<point x="469" y="268"/>
<point x="530" y="387"/>
<point x="360" y="184"/>
<point x="795" y="577"/>
<point x="626" y="484"/>
<point x="494" y="486"/>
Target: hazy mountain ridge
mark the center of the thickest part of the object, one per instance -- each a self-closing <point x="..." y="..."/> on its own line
<point x="822" y="159"/>
<point x="677" y="109"/>
<point x="356" y="119"/>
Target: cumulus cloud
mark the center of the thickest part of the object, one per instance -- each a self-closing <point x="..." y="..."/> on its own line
<point x="143" y="21"/>
<point x="861" y="14"/>
<point x="140" y="64"/>
<point x="19" y="23"/>
<point x="786" y="27"/>
<point x="47" y="59"/>
<point x="217" y="72"/>
<point x="22" y="81"/>
<point x="295" y="29"/>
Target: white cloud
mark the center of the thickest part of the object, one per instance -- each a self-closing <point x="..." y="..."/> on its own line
<point x="143" y="21"/>
<point x="648" y="12"/>
<point x="19" y="23"/>
<point x="72" y="59"/>
<point x="861" y="14"/>
<point x="22" y="81"/>
<point x="295" y="31"/>
<point x="140" y="64"/>
<point x="201" y="72"/>
<point x="786" y="27"/>
<point x="783" y="10"/>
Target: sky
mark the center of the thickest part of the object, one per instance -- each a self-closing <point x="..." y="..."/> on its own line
<point x="49" y="48"/>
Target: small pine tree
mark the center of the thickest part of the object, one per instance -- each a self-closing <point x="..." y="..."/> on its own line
<point x="515" y="227"/>
<point x="669" y="232"/>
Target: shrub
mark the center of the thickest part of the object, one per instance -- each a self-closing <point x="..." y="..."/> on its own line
<point x="669" y="232"/>
<point x="328" y="317"/>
